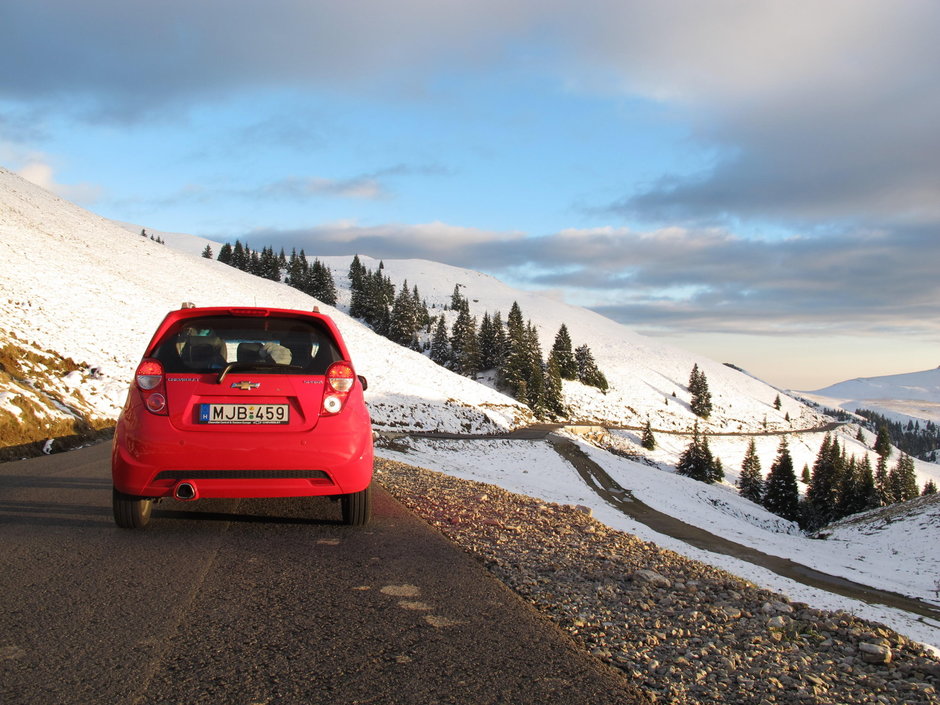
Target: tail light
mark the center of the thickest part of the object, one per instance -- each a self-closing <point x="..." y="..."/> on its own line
<point x="340" y="379"/>
<point x="150" y="382"/>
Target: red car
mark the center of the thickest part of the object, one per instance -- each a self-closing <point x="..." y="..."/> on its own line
<point x="243" y="402"/>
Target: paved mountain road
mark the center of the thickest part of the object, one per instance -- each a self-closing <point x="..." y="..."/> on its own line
<point x="250" y="602"/>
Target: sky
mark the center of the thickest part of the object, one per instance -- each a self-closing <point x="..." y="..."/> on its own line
<point x="755" y="181"/>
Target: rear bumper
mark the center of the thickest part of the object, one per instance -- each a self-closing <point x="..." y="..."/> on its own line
<point x="149" y="458"/>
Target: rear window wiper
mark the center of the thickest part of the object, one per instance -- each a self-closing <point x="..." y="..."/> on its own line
<point x="246" y="366"/>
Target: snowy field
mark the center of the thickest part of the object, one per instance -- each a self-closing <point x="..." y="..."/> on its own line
<point x="890" y="561"/>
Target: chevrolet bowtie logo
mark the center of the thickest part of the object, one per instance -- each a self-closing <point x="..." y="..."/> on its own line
<point x="245" y="386"/>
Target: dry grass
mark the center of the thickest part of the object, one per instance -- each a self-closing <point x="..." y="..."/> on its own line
<point x="32" y="376"/>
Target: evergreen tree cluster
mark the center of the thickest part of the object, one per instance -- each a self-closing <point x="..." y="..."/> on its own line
<point x="262" y="264"/>
<point x="697" y="461"/>
<point x="838" y="485"/>
<point x="779" y="493"/>
<point x="514" y="352"/>
<point x="920" y="441"/>
<point x="468" y="348"/>
<point x="397" y="316"/>
<point x="156" y="238"/>
<point x="315" y="280"/>
<point x="841" y="485"/>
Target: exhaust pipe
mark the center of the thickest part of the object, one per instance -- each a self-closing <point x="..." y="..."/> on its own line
<point x="185" y="492"/>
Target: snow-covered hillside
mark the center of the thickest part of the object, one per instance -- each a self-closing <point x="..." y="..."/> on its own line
<point x="74" y="285"/>
<point x="94" y="292"/>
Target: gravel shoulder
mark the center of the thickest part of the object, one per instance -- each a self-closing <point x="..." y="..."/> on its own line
<point x="682" y="630"/>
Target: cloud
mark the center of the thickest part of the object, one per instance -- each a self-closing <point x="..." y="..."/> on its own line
<point x="135" y="58"/>
<point x="34" y="169"/>
<point x="438" y="241"/>
<point x="814" y="110"/>
<point x="678" y="278"/>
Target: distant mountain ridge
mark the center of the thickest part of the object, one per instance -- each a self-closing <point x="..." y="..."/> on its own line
<point x="910" y="386"/>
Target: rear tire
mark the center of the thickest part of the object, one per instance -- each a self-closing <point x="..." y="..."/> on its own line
<point x="130" y="511"/>
<point x="357" y="507"/>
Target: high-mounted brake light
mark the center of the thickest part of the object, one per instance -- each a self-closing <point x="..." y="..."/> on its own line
<point x="340" y="379"/>
<point x="150" y="382"/>
<point x="256" y="312"/>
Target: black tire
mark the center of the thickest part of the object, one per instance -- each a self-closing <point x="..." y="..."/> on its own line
<point x="357" y="507"/>
<point x="130" y="511"/>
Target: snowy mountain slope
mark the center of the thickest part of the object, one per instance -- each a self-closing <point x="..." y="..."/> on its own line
<point x="647" y="378"/>
<point x="901" y="397"/>
<point x="90" y="290"/>
<point x="913" y="386"/>
<point x="643" y="373"/>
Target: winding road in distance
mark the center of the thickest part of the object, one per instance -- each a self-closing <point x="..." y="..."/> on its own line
<point x="605" y="487"/>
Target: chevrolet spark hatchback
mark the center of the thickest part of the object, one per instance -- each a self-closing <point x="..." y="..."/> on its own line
<point x="243" y="402"/>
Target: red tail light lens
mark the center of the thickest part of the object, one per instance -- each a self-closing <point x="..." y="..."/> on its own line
<point x="149" y="375"/>
<point x="340" y="379"/>
<point x="150" y="381"/>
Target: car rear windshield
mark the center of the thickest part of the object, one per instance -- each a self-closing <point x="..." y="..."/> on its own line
<point x="262" y="344"/>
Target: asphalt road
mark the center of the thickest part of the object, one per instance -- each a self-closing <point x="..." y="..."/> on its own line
<point x="258" y="602"/>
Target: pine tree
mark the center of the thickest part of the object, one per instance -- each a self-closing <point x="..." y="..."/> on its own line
<point x="254" y="263"/>
<point x="465" y="350"/>
<point x="356" y="274"/>
<point x="881" y="481"/>
<point x="514" y="371"/>
<point x="422" y="315"/>
<point x="902" y="480"/>
<point x="536" y="370"/>
<point x="648" y="441"/>
<point x="321" y="284"/>
<point x="701" y="403"/>
<point x="751" y="480"/>
<point x="207" y="253"/>
<point x="489" y="343"/>
<point x="440" y="347"/>
<point x="588" y="372"/>
<point x="240" y="260"/>
<point x="822" y="495"/>
<point x="850" y="496"/>
<point x="867" y="493"/>
<point x="567" y="365"/>
<point x="930" y="488"/>
<point x="456" y="300"/>
<point x="696" y="460"/>
<point x="782" y="496"/>
<point x="404" y="321"/>
<point x="553" y="399"/>
<point x="883" y="442"/>
<point x="293" y="276"/>
<point x="225" y="254"/>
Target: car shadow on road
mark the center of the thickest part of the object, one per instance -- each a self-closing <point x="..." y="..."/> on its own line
<point x="300" y="512"/>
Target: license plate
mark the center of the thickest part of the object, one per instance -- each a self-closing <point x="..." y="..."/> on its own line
<point x="244" y="413"/>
